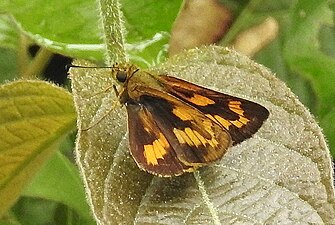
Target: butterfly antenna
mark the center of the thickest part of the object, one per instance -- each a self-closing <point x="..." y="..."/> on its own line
<point x="68" y="66"/>
<point x="133" y="73"/>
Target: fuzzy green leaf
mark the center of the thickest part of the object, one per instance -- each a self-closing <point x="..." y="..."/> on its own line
<point x="282" y="175"/>
<point x="34" y="117"/>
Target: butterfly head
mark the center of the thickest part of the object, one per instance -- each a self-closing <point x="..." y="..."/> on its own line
<point x="124" y="72"/>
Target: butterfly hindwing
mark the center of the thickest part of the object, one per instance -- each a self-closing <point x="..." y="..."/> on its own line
<point x="148" y="145"/>
<point x="168" y="137"/>
<point x="242" y="118"/>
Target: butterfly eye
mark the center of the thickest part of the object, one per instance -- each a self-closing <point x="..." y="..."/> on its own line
<point x="121" y="76"/>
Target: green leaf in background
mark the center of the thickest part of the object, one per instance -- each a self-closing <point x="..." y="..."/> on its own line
<point x="9" y="219"/>
<point x="308" y="55"/>
<point x="303" y="53"/>
<point x="273" y="55"/>
<point x="72" y="27"/>
<point x="143" y="20"/>
<point x="8" y="48"/>
<point x="66" y="27"/>
<point x="9" y="32"/>
<point x="8" y="65"/>
<point x="35" y="117"/>
<point x="59" y="181"/>
<point x="148" y="23"/>
<point x="282" y="174"/>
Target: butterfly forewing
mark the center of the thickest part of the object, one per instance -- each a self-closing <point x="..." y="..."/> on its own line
<point x="169" y="137"/>
<point x="242" y="118"/>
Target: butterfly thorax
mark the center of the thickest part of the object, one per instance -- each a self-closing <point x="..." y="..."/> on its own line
<point x="133" y="81"/>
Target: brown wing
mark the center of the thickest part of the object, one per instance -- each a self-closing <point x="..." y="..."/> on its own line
<point x="168" y="137"/>
<point x="242" y="118"/>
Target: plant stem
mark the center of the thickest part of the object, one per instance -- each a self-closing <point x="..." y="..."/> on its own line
<point x="113" y="30"/>
<point x="23" y="57"/>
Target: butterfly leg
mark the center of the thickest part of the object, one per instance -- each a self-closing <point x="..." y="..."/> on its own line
<point x="116" y="103"/>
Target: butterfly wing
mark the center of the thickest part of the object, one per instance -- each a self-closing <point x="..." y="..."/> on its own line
<point x="242" y="118"/>
<point x="168" y="137"/>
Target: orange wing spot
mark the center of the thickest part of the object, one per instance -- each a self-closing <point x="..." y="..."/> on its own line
<point x="179" y="136"/>
<point x="208" y="126"/>
<point x="201" y="100"/>
<point x="244" y="120"/>
<point x="182" y="137"/>
<point x="182" y="113"/>
<point x="210" y="116"/>
<point x="192" y="136"/>
<point x="235" y="106"/>
<point x="225" y="123"/>
<point x="149" y="154"/>
<point x="214" y="143"/>
<point x="237" y="123"/>
<point x="238" y="103"/>
<point x="156" y="151"/>
<point x="238" y="111"/>
<point x="201" y="138"/>
<point x="162" y="140"/>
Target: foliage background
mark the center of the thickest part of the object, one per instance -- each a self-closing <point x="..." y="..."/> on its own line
<point x="302" y="55"/>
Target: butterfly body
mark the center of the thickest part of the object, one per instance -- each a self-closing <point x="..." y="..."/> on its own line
<point x="176" y="126"/>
